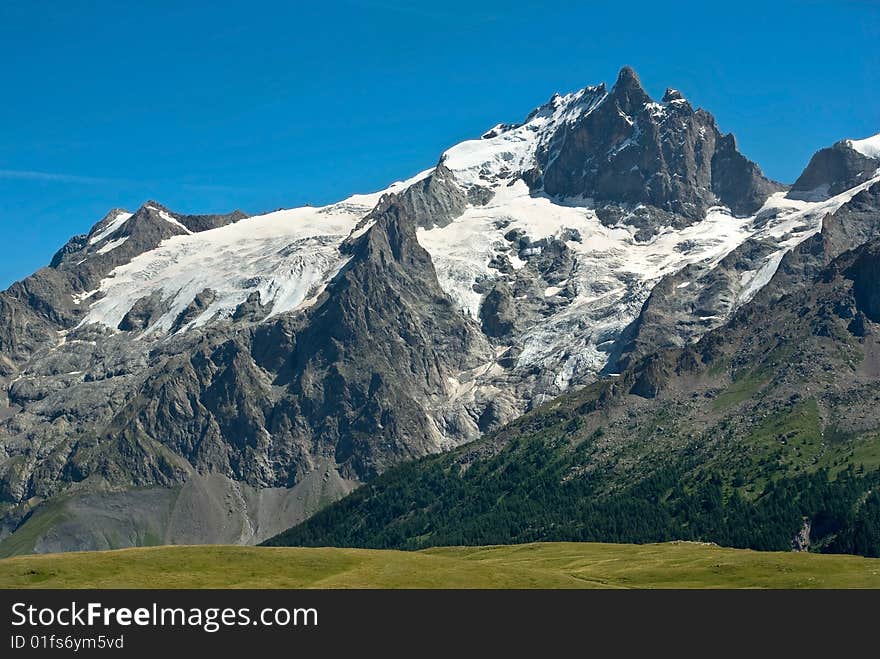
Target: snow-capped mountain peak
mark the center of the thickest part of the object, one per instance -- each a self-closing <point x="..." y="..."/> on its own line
<point x="283" y="257"/>
<point x="573" y="252"/>
<point x="109" y="225"/>
<point x="296" y="352"/>
<point x="549" y="234"/>
<point x="509" y="150"/>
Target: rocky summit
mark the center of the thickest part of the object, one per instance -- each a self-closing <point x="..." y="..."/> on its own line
<point x="174" y="378"/>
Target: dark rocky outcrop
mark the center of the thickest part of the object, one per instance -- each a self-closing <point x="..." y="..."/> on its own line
<point x="865" y="275"/>
<point x="143" y="313"/>
<point x="436" y="200"/>
<point x="198" y="223"/>
<point x="737" y="182"/>
<point x="833" y="170"/>
<point x="498" y="312"/>
<point x="194" y="309"/>
<point x="252" y="309"/>
<point x="855" y="223"/>
<point x="665" y="155"/>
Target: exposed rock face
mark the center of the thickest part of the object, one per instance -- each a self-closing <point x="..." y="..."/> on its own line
<point x="801" y="541"/>
<point x="251" y="309"/>
<point x="194" y="309"/>
<point x="144" y="311"/>
<point x="857" y="222"/>
<point x="384" y="339"/>
<point x="833" y="170"/>
<point x="436" y="200"/>
<point x="27" y="318"/>
<point x="736" y="181"/>
<point x="865" y="274"/>
<point x="199" y="223"/>
<point x="665" y="155"/>
<point x="685" y="305"/>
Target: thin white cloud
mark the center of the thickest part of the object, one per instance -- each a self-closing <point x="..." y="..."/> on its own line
<point x="30" y="175"/>
<point x="54" y="177"/>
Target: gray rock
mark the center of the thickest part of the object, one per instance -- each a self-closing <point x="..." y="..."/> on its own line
<point x="194" y="309"/>
<point x="434" y="201"/>
<point x="143" y="313"/>
<point x="252" y="309"/>
<point x="833" y="170"/>
<point x="667" y="156"/>
<point x="854" y="224"/>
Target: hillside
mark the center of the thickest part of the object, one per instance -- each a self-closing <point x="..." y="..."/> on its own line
<point x="764" y="434"/>
<point x="546" y="565"/>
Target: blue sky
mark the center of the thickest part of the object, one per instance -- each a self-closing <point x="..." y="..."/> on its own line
<point x="207" y="107"/>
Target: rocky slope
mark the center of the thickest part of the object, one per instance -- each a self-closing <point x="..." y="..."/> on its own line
<point x="762" y="434"/>
<point x="837" y="168"/>
<point x="173" y="378"/>
<point x="665" y="156"/>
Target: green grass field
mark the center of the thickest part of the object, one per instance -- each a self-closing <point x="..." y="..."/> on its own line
<point x="542" y="565"/>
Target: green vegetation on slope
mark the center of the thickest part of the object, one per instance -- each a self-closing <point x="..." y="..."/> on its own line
<point x="40" y="522"/>
<point x="526" y="494"/>
<point x="545" y="565"/>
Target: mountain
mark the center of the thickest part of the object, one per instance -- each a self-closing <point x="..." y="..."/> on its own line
<point x="838" y="167"/>
<point x="181" y="379"/>
<point x="51" y="300"/>
<point x="665" y="156"/>
<point x="762" y="434"/>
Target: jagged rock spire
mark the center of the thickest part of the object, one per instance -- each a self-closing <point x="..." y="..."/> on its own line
<point x="628" y="91"/>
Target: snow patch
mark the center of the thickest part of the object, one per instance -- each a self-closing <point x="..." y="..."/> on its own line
<point x="756" y="280"/>
<point x="112" y="226"/>
<point x="113" y="244"/>
<point x="286" y="256"/>
<point x="656" y="110"/>
<point x="79" y="298"/>
<point x="870" y="146"/>
<point x="171" y="220"/>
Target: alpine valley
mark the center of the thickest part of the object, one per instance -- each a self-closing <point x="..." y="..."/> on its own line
<point x="603" y="323"/>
